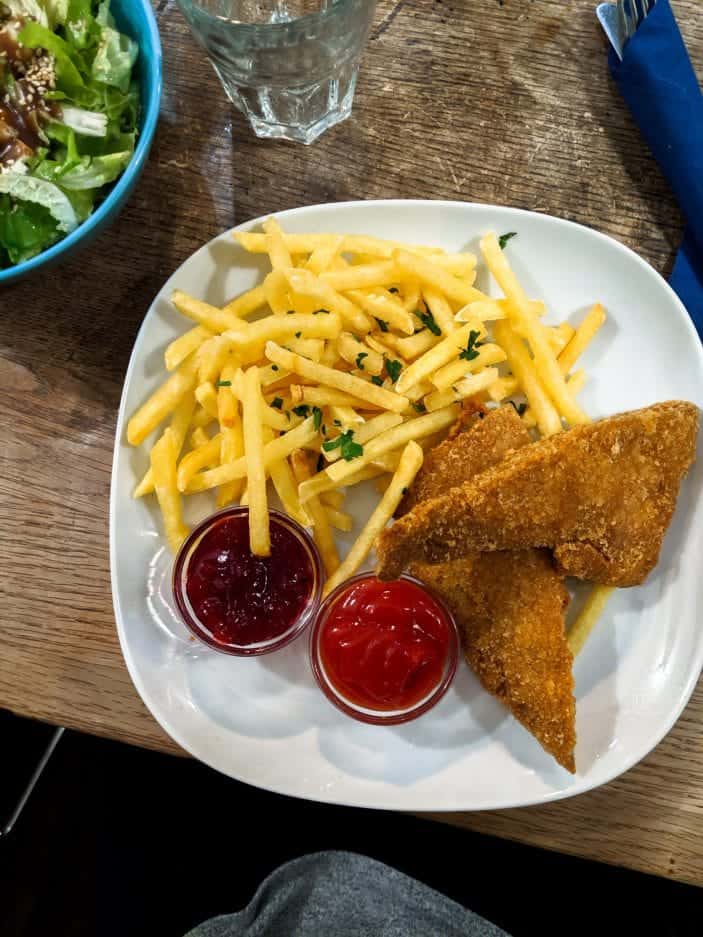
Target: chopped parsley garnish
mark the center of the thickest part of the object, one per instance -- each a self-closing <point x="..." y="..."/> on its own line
<point x="393" y="289"/>
<point x="277" y="403"/>
<point x="393" y="368"/>
<point x="317" y="312"/>
<point x="403" y="491"/>
<point x="377" y="380"/>
<point x="223" y="383"/>
<point x="317" y="419"/>
<point x="504" y="238"/>
<point x="428" y="319"/>
<point x="291" y="312"/>
<point x="298" y="334"/>
<point x="337" y="422"/>
<point x="302" y="410"/>
<point x="420" y="407"/>
<point x="383" y="326"/>
<point x="360" y="359"/>
<point x="274" y="367"/>
<point x="469" y="353"/>
<point x="345" y="443"/>
<point x="320" y="463"/>
<point x="520" y="408"/>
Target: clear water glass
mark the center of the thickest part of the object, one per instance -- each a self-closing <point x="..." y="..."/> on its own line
<point x="289" y="65"/>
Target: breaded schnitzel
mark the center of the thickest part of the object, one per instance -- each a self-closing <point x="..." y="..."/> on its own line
<point x="510" y="607"/>
<point x="601" y="496"/>
<point x="478" y="440"/>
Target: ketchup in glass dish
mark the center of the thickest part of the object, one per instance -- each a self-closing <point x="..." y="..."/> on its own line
<point x="240" y="603"/>
<point x="384" y="652"/>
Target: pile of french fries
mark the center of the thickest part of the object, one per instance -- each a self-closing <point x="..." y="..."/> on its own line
<point x="349" y="359"/>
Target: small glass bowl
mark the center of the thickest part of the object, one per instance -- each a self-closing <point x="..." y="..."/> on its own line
<point x="381" y="716"/>
<point x="188" y="613"/>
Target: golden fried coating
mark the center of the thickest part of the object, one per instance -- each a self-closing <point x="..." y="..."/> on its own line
<point x="601" y="496"/>
<point x="510" y="609"/>
<point x="478" y="440"/>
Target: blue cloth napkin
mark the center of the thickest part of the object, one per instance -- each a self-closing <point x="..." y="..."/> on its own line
<point x="657" y="81"/>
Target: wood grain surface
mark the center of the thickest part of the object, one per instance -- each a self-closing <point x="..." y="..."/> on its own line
<point x="479" y="100"/>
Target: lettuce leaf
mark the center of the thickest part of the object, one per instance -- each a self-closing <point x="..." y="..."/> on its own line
<point x="95" y="171"/>
<point x="26" y="229"/>
<point x="114" y="59"/>
<point x="41" y="192"/>
<point x="68" y="77"/>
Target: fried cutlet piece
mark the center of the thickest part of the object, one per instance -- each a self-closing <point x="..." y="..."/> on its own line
<point x="510" y="607"/>
<point x="478" y="440"/>
<point x="601" y="496"/>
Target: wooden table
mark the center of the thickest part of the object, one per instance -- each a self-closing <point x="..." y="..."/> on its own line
<point x="503" y="101"/>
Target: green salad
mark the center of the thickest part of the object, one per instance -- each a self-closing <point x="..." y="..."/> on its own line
<point x="68" y="118"/>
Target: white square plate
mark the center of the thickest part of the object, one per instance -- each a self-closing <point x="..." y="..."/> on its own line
<point x="264" y="721"/>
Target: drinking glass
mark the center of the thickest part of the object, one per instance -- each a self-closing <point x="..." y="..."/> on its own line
<point x="289" y="65"/>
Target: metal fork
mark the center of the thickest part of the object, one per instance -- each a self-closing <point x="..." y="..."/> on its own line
<point x="621" y="20"/>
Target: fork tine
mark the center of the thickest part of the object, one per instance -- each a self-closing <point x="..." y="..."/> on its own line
<point x="627" y="25"/>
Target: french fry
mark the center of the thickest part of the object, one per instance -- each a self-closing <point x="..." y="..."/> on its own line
<point x="214" y="319"/>
<point x="440" y="309"/>
<point x="359" y="353"/>
<point x="582" y="337"/>
<point x="206" y="454"/>
<point x="329" y="397"/>
<point x="279" y="448"/>
<point x="231" y="449"/>
<point x="295" y="243"/>
<point x="383" y="306"/>
<point x="468" y="387"/>
<point x="433" y="276"/>
<point x="338" y="380"/>
<point x="162" y="402"/>
<point x="201" y="417"/>
<point x="163" y="467"/>
<point x="321" y="258"/>
<point x="246" y="303"/>
<point x="277" y="419"/>
<point x="393" y="439"/>
<point x="437" y="356"/>
<point x="345" y="417"/>
<point x="502" y="388"/>
<point x="368" y="431"/>
<point x="487" y="354"/>
<point x="413" y="346"/>
<point x="587" y="619"/>
<point x="227" y="411"/>
<point x="206" y="395"/>
<point x="559" y="336"/>
<point x="321" y="484"/>
<point x="276" y="292"/>
<point x="180" y="421"/>
<point x="272" y="374"/>
<point x="409" y="465"/>
<point x="259" y="533"/>
<point x="179" y="349"/>
<point x="411" y="294"/>
<point x="307" y="284"/>
<point x="362" y="276"/>
<point x="321" y="530"/>
<point x="199" y="438"/>
<point x="523" y="368"/>
<point x="311" y="348"/>
<point x="279" y="328"/>
<point x="276" y="246"/>
<point x="340" y="520"/>
<point x="287" y="490"/>
<point x="545" y="362"/>
<point x="333" y="499"/>
<point x="212" y="356"/>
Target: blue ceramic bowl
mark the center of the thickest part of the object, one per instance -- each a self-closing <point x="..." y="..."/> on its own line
<point x="134" y="17"/>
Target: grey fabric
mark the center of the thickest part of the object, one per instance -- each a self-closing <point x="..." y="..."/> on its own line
<point x="345" y="895"/>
